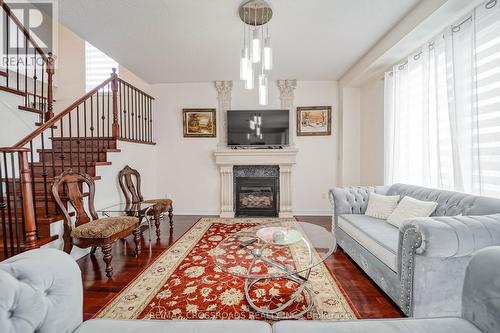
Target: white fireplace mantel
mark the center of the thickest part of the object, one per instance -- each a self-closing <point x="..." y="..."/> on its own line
<point x="226" y="159"/>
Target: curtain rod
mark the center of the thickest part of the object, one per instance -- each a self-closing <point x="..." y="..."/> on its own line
<point x="454" y="28"/>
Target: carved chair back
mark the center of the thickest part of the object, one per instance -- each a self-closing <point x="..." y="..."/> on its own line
<point x="71" y="184"/>
<point x="131" y="190"/>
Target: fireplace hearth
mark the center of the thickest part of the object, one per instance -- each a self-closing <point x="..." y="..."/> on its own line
<point x="256" y="190"/>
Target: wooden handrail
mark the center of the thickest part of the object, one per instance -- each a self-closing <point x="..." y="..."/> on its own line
<point x="134" y="87"/>
<point x="60" y="115"/>
<point x="25" y="31"/>
<point x="14" y="149"/>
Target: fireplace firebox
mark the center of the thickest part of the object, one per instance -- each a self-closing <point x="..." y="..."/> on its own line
<point x="256" y="190"/>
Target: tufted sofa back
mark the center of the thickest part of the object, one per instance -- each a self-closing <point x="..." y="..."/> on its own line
<point x="40" y="291"/>
<point x="449" y="203"/>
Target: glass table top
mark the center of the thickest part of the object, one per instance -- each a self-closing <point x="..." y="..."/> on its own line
<point x="127" y="208"/>
<point x="274" y="250"/>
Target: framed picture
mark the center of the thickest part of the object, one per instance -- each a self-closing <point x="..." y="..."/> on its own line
<point x="199" y="123"/>
<point x="314" y="120"/>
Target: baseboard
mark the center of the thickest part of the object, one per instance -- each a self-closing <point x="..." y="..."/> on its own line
<point x="312" y="212"/>
<point x="217" y="212"/>
<point x="196" y="211"/>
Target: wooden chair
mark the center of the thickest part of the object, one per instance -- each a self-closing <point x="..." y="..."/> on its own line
<point x="91" y="231"/>
<point x="132" y="193"/>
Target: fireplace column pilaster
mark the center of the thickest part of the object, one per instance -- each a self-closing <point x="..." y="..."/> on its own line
<point x="226" y="185"/>
<point x="287" y="97"/>
<point x="224" y="89"/>
<point x="285" y="191"/>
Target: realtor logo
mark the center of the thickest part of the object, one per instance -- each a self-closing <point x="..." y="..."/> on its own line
<point x="33" y="18"/>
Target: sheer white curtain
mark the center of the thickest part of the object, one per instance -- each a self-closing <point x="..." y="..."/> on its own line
<point x="442" y="109"/>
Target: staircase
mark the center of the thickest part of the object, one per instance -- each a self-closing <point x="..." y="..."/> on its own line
<point x="80" y="137"/>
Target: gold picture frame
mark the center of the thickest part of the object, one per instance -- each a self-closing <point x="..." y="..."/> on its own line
<point x="199" y="123"/>
<point x="314" y="120"/>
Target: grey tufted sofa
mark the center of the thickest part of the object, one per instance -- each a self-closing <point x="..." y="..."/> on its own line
<point x="421" y="265"/>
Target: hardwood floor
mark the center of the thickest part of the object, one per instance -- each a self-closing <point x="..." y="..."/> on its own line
<point x="368" y="299"/>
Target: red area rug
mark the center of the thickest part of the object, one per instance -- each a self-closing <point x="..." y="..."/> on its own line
<point x="184" y="283"/>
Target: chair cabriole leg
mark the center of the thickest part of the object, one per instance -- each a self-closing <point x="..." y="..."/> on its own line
<point x="106" y="251"/>
<point x="137" y="240"/>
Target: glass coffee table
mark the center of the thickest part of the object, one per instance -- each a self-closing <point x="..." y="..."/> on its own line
<point x="284" y="250"/>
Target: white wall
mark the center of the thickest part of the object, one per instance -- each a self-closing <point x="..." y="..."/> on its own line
<point x="187" y="171"/>
<point x="351" y="138"/>
<point x="372" y="133"/>
<point x="69" y="77"/>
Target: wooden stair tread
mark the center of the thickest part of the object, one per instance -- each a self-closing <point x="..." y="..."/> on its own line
<point x="40" y="124"/>
<point x="29" y="109"/>
<point x="45" y="240"/>
<point x="39" y="242"/>
<point x="59" y="164"/>
<point x="67" y="138"/>
<point x="102" y="150"/>
<point x="13" y="91"/>
<point x="49" y="179"/>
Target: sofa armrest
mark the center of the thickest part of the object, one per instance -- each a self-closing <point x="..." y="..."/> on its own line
<point x="453" y="236"/>
<point x="41" y="292"/>
<point x="433" y="253"/>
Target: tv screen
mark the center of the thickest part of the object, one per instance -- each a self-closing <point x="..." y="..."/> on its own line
<point x="257" y="128"/>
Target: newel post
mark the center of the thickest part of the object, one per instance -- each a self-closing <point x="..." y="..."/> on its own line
<point x="114" y="88"/>
<point x="28" y="207"/>
<point x="50" y="99"/>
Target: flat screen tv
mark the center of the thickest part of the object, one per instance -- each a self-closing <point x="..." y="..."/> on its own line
<point x="264" y="128"/>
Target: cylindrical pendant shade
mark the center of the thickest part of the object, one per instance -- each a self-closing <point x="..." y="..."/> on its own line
<point x="256" y="46"/>
<point x="244" y="63"/>
<point x="268" y="54"/>
<point x="249" y="80"/>
<point x="263" y="89"/>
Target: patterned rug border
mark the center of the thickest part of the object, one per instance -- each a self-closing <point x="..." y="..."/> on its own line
<point x="350" y="309"/>
<point x="96" y="315"/>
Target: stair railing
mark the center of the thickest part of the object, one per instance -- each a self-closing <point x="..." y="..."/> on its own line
<point x="78" y="138"/>
<point x="17" y="214"/>
<point x="34" y="81"/>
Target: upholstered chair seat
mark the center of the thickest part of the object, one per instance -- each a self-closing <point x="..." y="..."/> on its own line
<point x="105" y="227"/>
<point x="160" y="203"/>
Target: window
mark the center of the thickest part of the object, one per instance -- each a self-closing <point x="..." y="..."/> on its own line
<point x="98" y="66"/>
<point x="442" y="109"/>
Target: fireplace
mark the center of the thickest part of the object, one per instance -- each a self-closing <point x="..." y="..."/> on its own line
<point x="256" y="190"/>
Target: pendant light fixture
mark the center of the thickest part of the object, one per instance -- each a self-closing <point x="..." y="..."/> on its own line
<point x="256" y="54"/>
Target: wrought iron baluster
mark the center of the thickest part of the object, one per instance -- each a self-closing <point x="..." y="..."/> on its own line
<point x="78" y="142"/>
<point x="3" y="207"/>
<point x="97" y="125"/>
<point x="53" y="153"/>
<point x="61" y="136"/>
<point x="32" y="171"/>
<point x="109" y="119"/>
<point x="92" y="125"/>
<point x="44" y="173"/>
<point x="70" y="142"/>
<point x="14" y="196"/>
<point x="85" y="135"/>
<point x="7" y="45"/>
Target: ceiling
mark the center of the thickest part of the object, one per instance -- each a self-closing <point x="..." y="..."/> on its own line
<point x="166" y="41"/>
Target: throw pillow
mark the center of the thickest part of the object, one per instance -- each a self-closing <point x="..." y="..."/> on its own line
<point x="409" y="208"/>
<point x="381" y="206"/>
